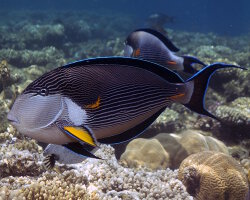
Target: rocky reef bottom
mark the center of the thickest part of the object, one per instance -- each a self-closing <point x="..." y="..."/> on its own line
<point x="168" y="166"/>
<point x="32" y="43"/>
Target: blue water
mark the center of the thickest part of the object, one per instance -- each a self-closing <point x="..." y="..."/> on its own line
<point x="226" y="17"/>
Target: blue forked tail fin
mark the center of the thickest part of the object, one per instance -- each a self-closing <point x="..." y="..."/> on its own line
<point x="200" y="83"/>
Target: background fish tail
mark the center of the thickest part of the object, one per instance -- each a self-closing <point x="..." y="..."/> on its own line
<point x="200" y="83"/>
<point x="188" y="61"/>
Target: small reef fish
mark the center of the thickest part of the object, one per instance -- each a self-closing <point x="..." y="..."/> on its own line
<point x="157" y="21"/>
<point x="103" y="100"/>
<point x="61" y="154"/>
<point x="151" y="45"/>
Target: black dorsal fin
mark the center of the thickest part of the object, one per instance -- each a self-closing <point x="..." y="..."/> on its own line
<point x="161" y="37"/>
<point x="165" y="73"/>
<point x="131" y="133"/>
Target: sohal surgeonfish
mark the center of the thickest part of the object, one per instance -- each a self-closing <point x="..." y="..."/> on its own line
<point x="158" y="21"/>
<point x="103" y="100"/>
<point x="151" y="45"/>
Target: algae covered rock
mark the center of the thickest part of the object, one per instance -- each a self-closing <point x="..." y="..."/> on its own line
<point x="168" y="120"/>
<point x="235" y="119"/>
<point x="19" y="163"/>
<point x="169" y="150"/>
<point x="237" y="113"/>
<point x="34" y="35"/>
<point x="24" y="58"/>
<point x="147" y="153"/>
<point x="213" y="175"/>
<point x="180" y="146"/>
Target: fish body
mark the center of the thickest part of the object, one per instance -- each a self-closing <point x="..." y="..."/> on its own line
<point x="151" y="45"/>
<point x="106" y="99"/>
<point x="103" y="100"/>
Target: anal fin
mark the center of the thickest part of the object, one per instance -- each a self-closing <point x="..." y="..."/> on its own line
<point x="83" y="150"/>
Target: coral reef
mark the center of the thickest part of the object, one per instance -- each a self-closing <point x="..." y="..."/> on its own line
<point x="42" y="35"/>
<point x="238" y="152"/>
<point x="24" y="58"/>
<point x="170" y="151"/>
<point x="19" y="163"/>
<point x="235" y="118"/>
<point x="167" y="121"/>
<point x="237" y="114"/>
<point x="210" y="175"/>
<point x="246" y="165"/>
<point x="94" y="179"/>
<point x="42" y="41"/>
<point x="147" y="153"/>
<point x="180" y="146"/>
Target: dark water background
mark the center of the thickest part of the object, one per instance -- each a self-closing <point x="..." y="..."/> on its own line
<point x="225" y="17"/>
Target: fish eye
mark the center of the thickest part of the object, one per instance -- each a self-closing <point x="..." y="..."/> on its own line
<point x="44" y="92"/>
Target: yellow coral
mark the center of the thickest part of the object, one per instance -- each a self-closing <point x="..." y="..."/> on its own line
<point x="212" y="175"/>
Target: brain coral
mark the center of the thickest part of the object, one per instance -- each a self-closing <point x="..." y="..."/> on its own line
<point x="212" y="175"/>
<point x="145" y="153"/>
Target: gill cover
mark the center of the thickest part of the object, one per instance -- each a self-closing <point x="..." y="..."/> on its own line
<point x="36" y="111"/>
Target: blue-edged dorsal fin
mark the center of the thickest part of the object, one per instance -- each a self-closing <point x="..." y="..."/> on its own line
<point x="161" y="37"/>
<point x="200" y="82"/>
<point x="165" y="73"/>
<point x="131" y="133"/>
<point x="83" y="150"/>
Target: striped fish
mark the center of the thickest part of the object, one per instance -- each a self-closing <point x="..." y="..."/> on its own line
<point x="103" y="100"/>
<point x="151" y="45"/>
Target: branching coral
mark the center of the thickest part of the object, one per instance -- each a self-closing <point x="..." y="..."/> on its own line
<point x="96" y="179"/>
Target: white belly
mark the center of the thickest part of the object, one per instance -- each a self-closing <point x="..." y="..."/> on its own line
<point x="52" y="135"/>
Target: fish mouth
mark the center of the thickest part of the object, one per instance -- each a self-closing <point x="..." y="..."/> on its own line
<point x="12" y="119"/>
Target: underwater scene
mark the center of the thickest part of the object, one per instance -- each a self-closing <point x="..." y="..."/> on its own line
<point x="124" y="100"/>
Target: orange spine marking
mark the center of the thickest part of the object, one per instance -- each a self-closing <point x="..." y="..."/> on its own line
<point x="95" y="105"/>
<point x="175" y="97"/>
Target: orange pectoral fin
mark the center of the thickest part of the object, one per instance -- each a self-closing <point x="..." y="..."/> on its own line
<point x="171" y="62"/>
<point x="177" y="96"/>
<point x="136" y="52"/>
<point x="95" y="105"/>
